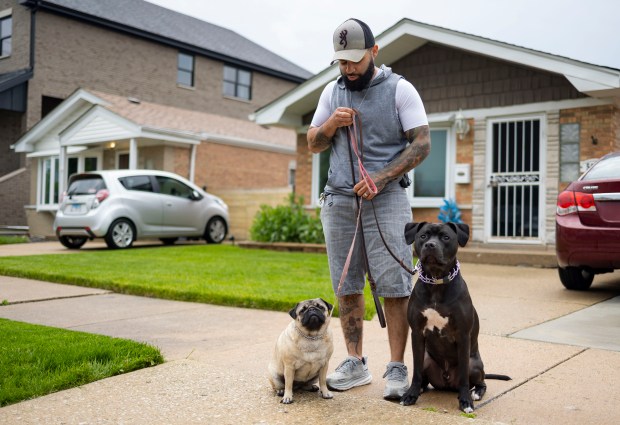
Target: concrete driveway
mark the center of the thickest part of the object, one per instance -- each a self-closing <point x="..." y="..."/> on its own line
<point x="561" y="348"/>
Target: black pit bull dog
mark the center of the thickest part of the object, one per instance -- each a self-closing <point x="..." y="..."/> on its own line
<point x="444" y="323"/>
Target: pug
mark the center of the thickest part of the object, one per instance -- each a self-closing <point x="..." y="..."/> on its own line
<point x="302" y="352"/>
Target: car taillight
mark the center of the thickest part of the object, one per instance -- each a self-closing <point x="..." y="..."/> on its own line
<point x="570" y="202"/>
<point x="100" y="196"/>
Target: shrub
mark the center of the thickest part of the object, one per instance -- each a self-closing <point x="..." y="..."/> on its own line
<point x="286" y="223"/>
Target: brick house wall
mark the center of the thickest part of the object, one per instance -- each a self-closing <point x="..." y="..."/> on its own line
<point x="70" y="54"/>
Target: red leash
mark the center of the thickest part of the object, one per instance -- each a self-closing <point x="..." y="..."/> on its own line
<point x="352" y="135"/>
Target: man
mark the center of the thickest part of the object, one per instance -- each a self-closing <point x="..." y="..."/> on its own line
<point x="395" y="140"/>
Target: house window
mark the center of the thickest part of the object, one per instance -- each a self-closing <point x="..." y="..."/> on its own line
<point x="237" y="83"/>
<point x="48" y="104"/>
<point x="185" y="70"/>
<point x="432" y="181"/>
<point x="569" y="152"/>
<point x="48" y="175"/>
<point x="430" y="185"/>
<point x="6" y="33"/>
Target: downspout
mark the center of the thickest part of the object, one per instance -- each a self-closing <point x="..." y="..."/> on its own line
<point x="33" y="20"/>
<point x="34" y="5"/>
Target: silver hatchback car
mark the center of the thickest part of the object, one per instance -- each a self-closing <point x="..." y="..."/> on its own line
<point x="124" y="205"/>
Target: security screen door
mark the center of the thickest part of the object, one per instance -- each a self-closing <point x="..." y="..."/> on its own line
<point x="514" y="184"/>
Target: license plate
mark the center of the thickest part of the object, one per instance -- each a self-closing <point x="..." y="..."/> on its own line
<point x="74" y="208"/>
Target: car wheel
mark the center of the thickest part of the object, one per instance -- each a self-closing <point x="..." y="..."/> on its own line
<point x="72" y="242"/>
<point x="216" y="230"/>
<point x="576" y="278"/>
<point x="168" y="241"/>
<point x="121" y="234"/>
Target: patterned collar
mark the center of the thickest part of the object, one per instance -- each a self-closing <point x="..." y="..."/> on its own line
<point x="437" y="281"/>
<point x="313" y="338"/>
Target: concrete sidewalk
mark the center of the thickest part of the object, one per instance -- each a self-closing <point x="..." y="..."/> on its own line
<point x="217" y="358"/>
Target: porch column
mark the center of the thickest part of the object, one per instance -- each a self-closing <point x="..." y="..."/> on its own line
<point x="192" y="163"/>
<point x="133" y="154"/>
<point x="62" y="171"/>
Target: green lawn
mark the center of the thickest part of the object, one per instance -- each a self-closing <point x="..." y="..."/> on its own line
<point x="213" y="274"/>
<point x="5" y="240"/>
<point x="38" y="360"/>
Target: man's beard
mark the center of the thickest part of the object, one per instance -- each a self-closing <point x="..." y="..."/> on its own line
<point x="363" y="80"/>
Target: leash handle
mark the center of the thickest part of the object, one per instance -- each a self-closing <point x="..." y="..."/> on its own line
<point x="359" y="152"/>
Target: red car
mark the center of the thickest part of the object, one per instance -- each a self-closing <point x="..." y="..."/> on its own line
<point x="587" y="229"/>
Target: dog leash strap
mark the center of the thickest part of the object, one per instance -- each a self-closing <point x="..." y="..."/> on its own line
<point x="347" y="263"/>
<point x="359" y="152"/>
<point x="359" y="223"/>
<point x="399" y="261"/>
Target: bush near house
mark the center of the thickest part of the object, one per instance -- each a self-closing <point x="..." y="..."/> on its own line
<point x="287" y="223"/>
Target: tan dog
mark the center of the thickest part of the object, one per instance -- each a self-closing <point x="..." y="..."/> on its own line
<point x="302" y="352"/>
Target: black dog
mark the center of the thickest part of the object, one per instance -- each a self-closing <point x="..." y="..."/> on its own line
<point x="444" y="323"/>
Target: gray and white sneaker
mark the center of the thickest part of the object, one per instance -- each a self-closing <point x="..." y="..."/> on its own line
<point x="352" y="372"/>
<point x="397" y="381"/>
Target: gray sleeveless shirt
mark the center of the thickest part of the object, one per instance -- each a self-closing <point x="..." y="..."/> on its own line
<point x="383" y="136"/>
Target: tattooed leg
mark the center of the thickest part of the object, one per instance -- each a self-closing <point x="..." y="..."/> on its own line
<point x="352" y="321"/>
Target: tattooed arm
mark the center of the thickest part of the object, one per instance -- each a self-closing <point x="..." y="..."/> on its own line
<point x="411" y="157"/>
<point x="320" y="138"/>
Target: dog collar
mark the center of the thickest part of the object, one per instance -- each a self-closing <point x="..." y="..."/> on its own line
<point x="437" y="281"/>
<point x="313" y="338"/>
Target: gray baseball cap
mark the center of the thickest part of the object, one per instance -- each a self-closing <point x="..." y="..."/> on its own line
<point x="351" y="40"/>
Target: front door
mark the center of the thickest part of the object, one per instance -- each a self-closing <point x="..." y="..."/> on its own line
<point x="514" y="202"/>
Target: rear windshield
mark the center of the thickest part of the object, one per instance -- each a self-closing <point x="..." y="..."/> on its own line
<point x="86" y="186"/>
<point x="606" y="169"/>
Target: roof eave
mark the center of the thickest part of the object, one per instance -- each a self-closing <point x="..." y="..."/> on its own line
<point x="406" y="36"/>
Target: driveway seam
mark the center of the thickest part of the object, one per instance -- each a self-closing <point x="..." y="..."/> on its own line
<point x="57" y="298"/>
<point x="484" y="403"/>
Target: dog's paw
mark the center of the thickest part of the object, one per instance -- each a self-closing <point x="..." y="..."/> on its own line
<point x="408" y="399"/>
<point x="286" y="400"/>
<point x="466" y="406"/>
<point x="279" y="393"/>
<point x="327" y="394"/>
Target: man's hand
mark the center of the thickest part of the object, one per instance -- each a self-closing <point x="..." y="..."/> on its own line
<point x="320" y="138"/>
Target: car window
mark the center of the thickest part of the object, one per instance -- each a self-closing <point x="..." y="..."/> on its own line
<point x="141" y="183"/>
<point x="606" y="169"/>
<point x="86" y="186"/>
<point x="168" y="186"/>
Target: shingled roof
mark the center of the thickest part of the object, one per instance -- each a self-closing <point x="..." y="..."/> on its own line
<point x="154" y="22"/>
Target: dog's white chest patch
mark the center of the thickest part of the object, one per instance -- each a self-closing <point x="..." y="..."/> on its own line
<point x="434" y="320"/>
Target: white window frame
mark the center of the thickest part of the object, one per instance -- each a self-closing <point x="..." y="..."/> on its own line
<point x="6" y="14"/>
<point x="43" y="204"/>
<point x="449" y="191"/>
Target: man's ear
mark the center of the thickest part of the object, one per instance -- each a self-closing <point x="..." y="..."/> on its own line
<point x="462" y="232"/>
<point x="411" y="229"/>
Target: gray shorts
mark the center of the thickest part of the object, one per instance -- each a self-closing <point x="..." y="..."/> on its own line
<point x="339" y="214"/>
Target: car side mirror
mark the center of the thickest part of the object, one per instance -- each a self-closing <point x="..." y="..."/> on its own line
<point x="195" y="196"/>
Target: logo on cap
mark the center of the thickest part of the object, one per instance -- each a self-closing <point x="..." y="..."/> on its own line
<point x="343" y="38"/>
